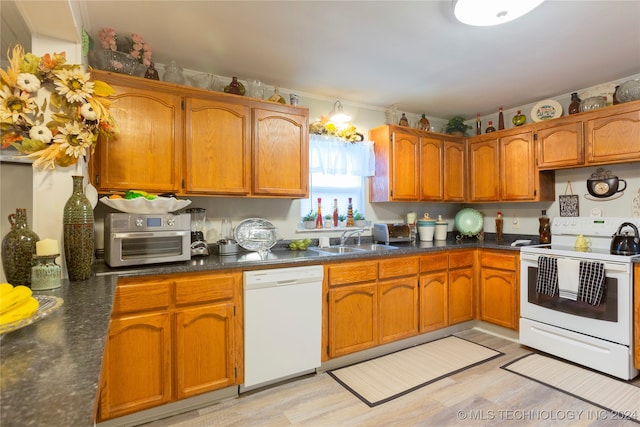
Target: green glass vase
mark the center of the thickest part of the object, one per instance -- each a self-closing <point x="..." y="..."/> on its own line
<point x="18" y="248"/>
<point x="79" y="240"/>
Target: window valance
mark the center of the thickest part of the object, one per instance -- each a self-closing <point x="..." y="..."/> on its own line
<point x="331" y="155"/>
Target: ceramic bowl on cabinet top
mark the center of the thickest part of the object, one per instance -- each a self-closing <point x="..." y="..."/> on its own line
<point x="629" y="91"/>
<point x="593" y="103"/>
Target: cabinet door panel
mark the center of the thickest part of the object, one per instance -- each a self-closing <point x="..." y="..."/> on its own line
<point x="460" y="295"/>
<point x="498" y="297"/>
<point x="484" y="171"/>
<point x="431" y="169"/>
<point x="405" y="166"/>
<point x="614" y="138"/>
<point x="560" y="146"/>
<point x="138" y="360"/>
<point x="433" y="301"/>
<point x="517" y="164"/>
<point x="454" y="171"/>
<point x="144" y="154"/>
<point x="218" y="156"/>
<point x="353" y="319"/>
<point x="398" y="309"/>
<point x="204" y="349"/>
<point x="397" y="267"/>
<point x="280" y="154"/>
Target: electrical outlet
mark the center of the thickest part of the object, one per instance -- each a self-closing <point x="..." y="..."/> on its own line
<point x="516" y="223"/>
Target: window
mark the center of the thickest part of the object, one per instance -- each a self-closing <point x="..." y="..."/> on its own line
<point x="337" y="171"/>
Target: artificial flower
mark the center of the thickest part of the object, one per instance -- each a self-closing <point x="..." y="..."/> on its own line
<point x="74" y="84"/>
<point x="16" y="105"/>
<point x="28" y="82"/>
<point x="133" y="45"/>
<point x="71" y="117"/>
<point x="325" y="127"/>
<point x="41" y="133"/>
<point x="108" y="38"/>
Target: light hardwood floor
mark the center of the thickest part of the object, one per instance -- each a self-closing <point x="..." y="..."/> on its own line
<point x="482" y="395"/>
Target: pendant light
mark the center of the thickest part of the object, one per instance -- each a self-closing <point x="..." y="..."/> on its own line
<point x="484" y="13"/>
<point x="338" y="115"/>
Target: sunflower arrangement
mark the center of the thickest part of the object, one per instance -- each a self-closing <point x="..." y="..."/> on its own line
<point x="77" y="109"/>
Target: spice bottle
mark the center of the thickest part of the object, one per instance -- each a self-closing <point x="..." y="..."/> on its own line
<point x="545" y="228"/>
<point x="350" y="221"/>
<point x="500" y="119"/>
<point x="319" y="216"/>
<point x="478" y="125"/>
<point x="335" y="212"/>
<point x="499" y="224"/>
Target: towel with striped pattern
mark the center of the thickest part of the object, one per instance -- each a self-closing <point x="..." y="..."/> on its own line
<point x="592" y="280"/>
<point x="547" y="280"/>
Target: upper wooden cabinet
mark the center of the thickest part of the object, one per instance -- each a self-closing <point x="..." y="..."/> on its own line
<point x="502" y="168"/>
<point x="414" y="165"/>
<point x="191" y="141"/>
<point x="599" y="137"/>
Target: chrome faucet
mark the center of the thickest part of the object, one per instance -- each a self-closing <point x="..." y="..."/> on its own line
<point x="346" y="234"/>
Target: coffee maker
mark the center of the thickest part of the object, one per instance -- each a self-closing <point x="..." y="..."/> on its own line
<point x="198" y="242"/>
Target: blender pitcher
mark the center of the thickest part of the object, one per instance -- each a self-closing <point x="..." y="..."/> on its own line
<point x="198" y="243"/>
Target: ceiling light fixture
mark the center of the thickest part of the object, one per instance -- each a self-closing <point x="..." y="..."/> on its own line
<point x="338" y="115"/>
<point x="492" y="12"/>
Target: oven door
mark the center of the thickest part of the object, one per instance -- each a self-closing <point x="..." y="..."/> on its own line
<point x="140" y="248"/>
<point x="610" y="320"/>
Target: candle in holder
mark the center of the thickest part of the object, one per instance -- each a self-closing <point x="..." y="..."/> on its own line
<point x="47" y="247"/>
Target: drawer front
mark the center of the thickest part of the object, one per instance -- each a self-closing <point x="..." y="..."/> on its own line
<point x="352" y="272"/>
<point x="398" y="267"/>
<point x="200" y="289"/>
<point x="434" y="262"/>
<point x="498" y="260"/>
<point x="150" y="295"/>
<point x="460" y="259"/>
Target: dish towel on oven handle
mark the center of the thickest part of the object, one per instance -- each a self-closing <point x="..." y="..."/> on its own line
<point x="568" y="278"/>
<point x="592" y="280"/>
<point x="547" y="280"/>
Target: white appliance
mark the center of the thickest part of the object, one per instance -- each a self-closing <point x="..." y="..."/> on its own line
<point x="596" y="334"/>
<point x="282" y="324"/>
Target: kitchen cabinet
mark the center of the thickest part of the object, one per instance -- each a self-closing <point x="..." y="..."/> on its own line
<point x="414" y="165"/>
<point x="171" y="337"/>
<point x="559" y="145"/>
<point x="460" y="279"/>
<point x="502" y="168"/>
<point x="613" y="135"/>
<point x="191" y="141"/>
<point x="434" y="291"/>
<point x="499" y="288"/>
<point x="398" y="298"/>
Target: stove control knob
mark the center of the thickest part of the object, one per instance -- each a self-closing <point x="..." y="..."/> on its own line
<point x="139" y="222"/>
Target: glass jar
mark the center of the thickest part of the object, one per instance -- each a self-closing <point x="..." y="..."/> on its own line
<point x="593" y="103"/>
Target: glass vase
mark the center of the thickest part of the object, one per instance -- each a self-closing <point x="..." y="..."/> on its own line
<point x="18" y="248"/>
<point x="79" y="240"/>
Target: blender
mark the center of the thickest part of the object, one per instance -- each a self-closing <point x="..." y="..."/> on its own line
<point x="227" y="244"/>
<point x="198" y="243"/>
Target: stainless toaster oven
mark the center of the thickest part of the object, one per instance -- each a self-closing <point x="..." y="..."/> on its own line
<point x="138" y="239"/>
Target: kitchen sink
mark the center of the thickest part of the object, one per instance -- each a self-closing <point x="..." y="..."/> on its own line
<point x="346" y="249"/>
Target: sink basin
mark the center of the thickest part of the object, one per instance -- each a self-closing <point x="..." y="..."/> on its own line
<point x="346" y="249"/>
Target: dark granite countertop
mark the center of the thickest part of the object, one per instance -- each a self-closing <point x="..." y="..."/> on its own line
<point x="50" y="370"/>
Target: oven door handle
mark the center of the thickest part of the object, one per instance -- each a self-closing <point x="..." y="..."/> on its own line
<point x="608" y="266"/>
<point x="143" y="234"/>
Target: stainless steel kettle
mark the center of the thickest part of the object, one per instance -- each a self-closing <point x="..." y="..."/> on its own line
<point x="624" y="244"/>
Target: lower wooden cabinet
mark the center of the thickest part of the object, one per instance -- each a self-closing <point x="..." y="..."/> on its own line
<point x="171" y="337"/>
<point x="398" y="298"/>
<point x="434" y="291"/>
<point x="460" y="277"/>
<point x="499" y="288"/>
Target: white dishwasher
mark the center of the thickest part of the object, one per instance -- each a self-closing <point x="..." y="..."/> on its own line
<point x="282" y="324"/>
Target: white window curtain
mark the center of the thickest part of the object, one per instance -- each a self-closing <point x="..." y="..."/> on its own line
<point x="331" y="155"/>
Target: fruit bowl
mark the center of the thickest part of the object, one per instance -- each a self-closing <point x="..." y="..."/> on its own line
<point x="141" y="205"/>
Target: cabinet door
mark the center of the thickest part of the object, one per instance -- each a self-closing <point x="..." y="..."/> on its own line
<point x="280" y="154"/>
<point x="460" y="295"/>
<point x="145" y="153"/>
<point x="433" y="301"/>
<point x="431" y="169"/>
<point x="218" y="156"/>
<point x="484" y="171"/>
<point x="204" y="349"/>
<point x="138" y="364"/>
<point x="498" y="297"/>
<point x="398" y="309"/>
<point x="405" y="164"/>
<point x="614" y="138"/>
<point x="454" y="171"/>
<point x="560" y="146"/>
<point x="353" y="318"/>
<point x="517" y="166"/>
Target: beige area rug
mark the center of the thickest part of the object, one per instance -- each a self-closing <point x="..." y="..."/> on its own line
<point x="385" y="378"/>
<point x="614" y="395"/>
